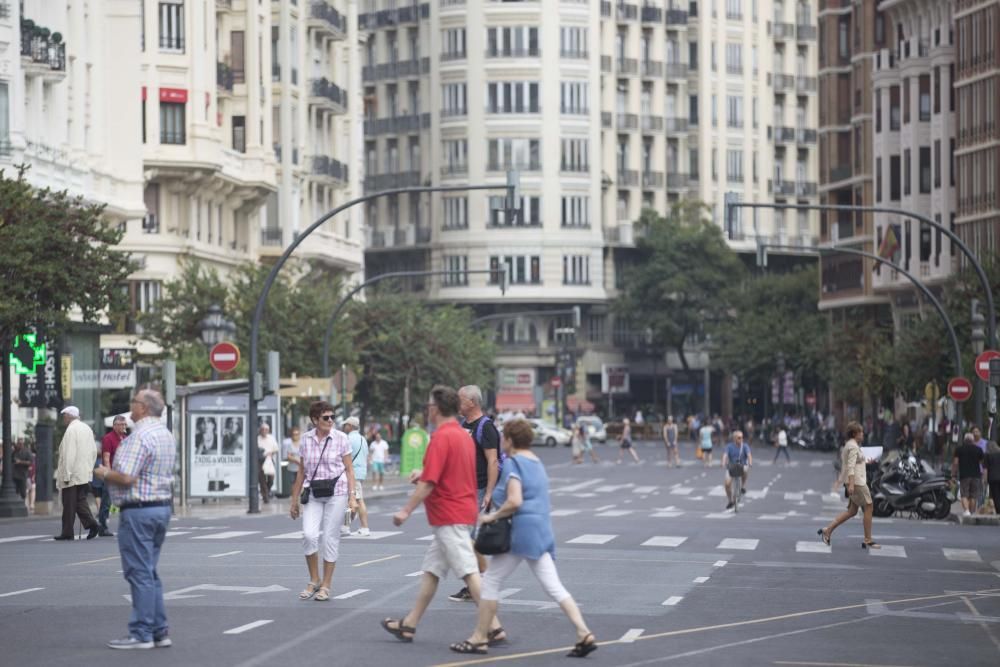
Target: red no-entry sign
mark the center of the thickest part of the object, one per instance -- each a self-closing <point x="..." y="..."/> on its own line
<point x="224" y="357"/>
<point x="983" y="364"/>
<point x="960" y="389"/>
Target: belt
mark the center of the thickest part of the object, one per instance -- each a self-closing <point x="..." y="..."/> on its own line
<point x="143" y="504"/>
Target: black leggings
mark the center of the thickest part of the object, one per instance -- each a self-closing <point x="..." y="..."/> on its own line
<point x="995" y="495"/>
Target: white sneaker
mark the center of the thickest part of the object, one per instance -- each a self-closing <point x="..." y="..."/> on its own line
<point x="363" y="532"/>
<point x="966" y="512"/>
<point x="344" y="530"/>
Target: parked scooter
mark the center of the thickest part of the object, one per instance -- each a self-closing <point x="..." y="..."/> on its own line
<point x="902" y="482"/>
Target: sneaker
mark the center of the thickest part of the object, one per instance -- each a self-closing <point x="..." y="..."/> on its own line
<point x="129" y="643"/>
<point x="462" y="596"/>
<point x="743" y="491"/>
<point x="729" y="506"/>
<point x="966" y="513"/>
<point x="345" y="530"/>
<point x="162" y="642"/>
<point x="94" y="532"/>
<point x="105" y="533"/>
<point x="363" y="532"/>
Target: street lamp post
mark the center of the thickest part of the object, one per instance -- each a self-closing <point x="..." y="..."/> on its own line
<point x="780" y="365"/>
<point x="214" y="330"/>
<point x="978" y="340"/>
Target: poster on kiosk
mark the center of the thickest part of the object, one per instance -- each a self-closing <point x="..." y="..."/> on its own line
<point x="218" y="443"/>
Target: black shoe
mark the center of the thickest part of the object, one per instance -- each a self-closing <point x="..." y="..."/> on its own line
<point x="729" y="506"/>
<point x="105" y="533"/>
<point x="462" y="596"/>
<point x="94" y="532"/>
<point x="62" y="537"/>
<point x="743" y="491"/>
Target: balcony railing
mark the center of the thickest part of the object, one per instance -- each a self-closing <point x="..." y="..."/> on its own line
<point x="42" y="47"/>
<point x="652" y="68"/>
<point x="805" y="189"/>
<point x="224" y="76"/>
<point x="396" y="70"/>
<point x="606" y="8"/>
<point x="628" y="178"/>
<point x="792" y="188"/>
<point x="805" y="136"/>
<point x="574" y="54"/>
<point x="676" y="124"/>
<point x="805" y="32"/>
<point x="652" y="179"/>
<point x="606" y="64"/>
<point x="400" y="179"/>
<point x="627" y="65"/>
<point x="505" y="165"/>
<point x="806" y="84"/>
<point x="676" y="70"/>
<point x="781" y="31"/>
<point x="782" y="135"/>
<point x="323" y="165"/>
<point x="607" y="119"/>
<point x="651" y="123"/>
<point x="397" y="124"/>
<point x="651" y="14"/>
<point x="457" y="169"/>
<point x="324" y="12"/>
<point x="624" y="12"/>
<point x="627" y="121"/>
<point x="514" y="52"/>
<point x="677" y="181"/>
<point x="271" y="236"/>
<point x="782" y="82"/>
<point x="392" y="17"/>
<point x="676" y="18"/>
<point x="840" y="173"/>
<point x="323" y="88"/>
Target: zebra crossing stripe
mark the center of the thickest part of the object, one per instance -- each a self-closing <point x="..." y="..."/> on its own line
<point x="965" y="555"/>
<point x="664" y="541"/>
<point x="226" y="535"/>
<point x="592" y="539"/>
<point x="739" y="544"/>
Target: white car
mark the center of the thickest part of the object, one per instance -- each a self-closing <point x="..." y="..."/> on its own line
<point x="595" y="428"/>
<point x="548" y="434"/>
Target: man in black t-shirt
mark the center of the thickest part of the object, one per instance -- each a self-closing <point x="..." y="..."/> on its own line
<point x="967" y="464"/>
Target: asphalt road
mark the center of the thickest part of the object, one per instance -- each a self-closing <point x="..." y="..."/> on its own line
<point x="663" y="575"/>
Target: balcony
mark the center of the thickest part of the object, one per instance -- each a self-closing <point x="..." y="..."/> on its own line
<point x="396" y="70"/>
<point x="792" y="188"/>
<point x="397" y="124"/>
<point x="628" y="178"/>
<point x="388" y="18"/>
<point x="505" y="165"/>
<point x="782" y="135"/>
<point x="606" y="119"/>
<point x="840" y="173"/>
<point x="271" y="237"/>
<point x="676" y="19"/>
<point x="651" y="123"/>
<point x="627" y="121"/>
<point x="620" y="234"/>
<point x="391" y="181"/>
<point x="606" y="64"/>
<point x="782" y="82"/>
<point x="781" y="31"/>
<point x="323" y="165"/>
<point x="652" y="179"/>
<point x="574" y="54"/>
<point x="606" y="8"/>
<point x="676" y="70"/>
<point x="804" y="136"/>
<point x="224" y="77"/>
<point x="627" y="65"/>
<point x="223" y="5"/>
<point x="41" y="50"/>
<point x="676" y="124"/>
<point x="805" y="189"/>
<point x="678" y="181"/>
<point x="454" y="170"/>
<point x="652" y="69"/>
<point x="624" y="12"/>
<point x="806" y="84"/>
<point x="327" y="93"/>
<point x="324" y="18"/>
<point x="514" y="52"/>
<point x="804" y="32"/>
<point x="651" y="14"/>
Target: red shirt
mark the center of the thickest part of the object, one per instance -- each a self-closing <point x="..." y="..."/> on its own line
<point x="109" y="444"/>
<point x="450" y="465"/>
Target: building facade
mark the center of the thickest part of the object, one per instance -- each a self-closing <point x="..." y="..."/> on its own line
<point x="606" y="109"/>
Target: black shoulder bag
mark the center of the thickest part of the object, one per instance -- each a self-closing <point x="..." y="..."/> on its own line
<point x="322" y="488"/>
<point x="494" y="538"/>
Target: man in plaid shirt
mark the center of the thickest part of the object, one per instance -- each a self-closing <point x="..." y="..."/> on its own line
<point x="140" y="486"/>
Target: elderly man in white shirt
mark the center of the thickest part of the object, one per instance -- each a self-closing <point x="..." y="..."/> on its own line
<point x="267" y="447"/>
<point x="77" y="455"/>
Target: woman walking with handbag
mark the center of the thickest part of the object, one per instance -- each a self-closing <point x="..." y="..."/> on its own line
<point x="522" y="498"/>
<point x="325" y="485"/>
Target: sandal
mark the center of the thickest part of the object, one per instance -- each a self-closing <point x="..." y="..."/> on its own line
<point x="823" y="535"/>
<point x="583" y="648"/>
<point x="403" y="633"/>
<point x="870" y="545"/>
<point x="469" y="647"/>
<point x="309" y="591"/>
<point x="494" y="638"/>
<point x="323" y="594"/>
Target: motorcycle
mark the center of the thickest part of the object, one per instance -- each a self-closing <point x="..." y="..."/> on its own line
<point x="902" y="482"/>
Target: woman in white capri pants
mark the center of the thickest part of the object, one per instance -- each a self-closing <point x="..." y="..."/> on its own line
<point x="523" y="492"/>
<point x="327" y="474"/>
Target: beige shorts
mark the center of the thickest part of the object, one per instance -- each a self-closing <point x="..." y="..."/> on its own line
<point x="359" y="489"/>
<point x="451" y="549"/>
<point x="861" y="496"/>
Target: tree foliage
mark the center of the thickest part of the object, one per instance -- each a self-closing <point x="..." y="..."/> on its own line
<point x="683" y="276"/>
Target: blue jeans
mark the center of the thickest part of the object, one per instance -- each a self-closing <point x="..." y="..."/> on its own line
<point x="105" y="511"/>
<point x="141" y="532"/>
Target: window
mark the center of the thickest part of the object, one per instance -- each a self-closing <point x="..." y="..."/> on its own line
<point x="878" y="111"/>
<point x="733" y="10"/>
<point x="575" y="155"/>
<point x="715" y="164"/>
<point x="878" y="179"/>
<point x="936" y="88"/>
<point x="734" y="166"/>
<point x="715" y="64"/>
<point x="573" y="42"/>
<point x="907" y="186"/>
<point x="924" y="108"/>
<point x="413" y="90"/>
<point x="715" y="111"/>
<point x="521" y="269"/>
<point x="693" y="55"/>
<point x="894" y="108"/>
<point x="693" y="109"/>
<point x="531" y="212"/>
<point x="453" y="44"/>
<point x="453" y="99"/>
<point x="734" y="104"/>
<point x="237" y="54"/>
<point x="693" y="163"/>
<point x="894" y="178"/>
<point x="456" y="212"/>
<point x="925" y="170"/>
<point x="172" y="26"/>
<point x="951" y="165"/>
<point x="576" y="212"/>
<point x="937" y="164"/>
<point x="843" y="37"/>
<point x="456" y="266"/>
<point x="144" y="295"/>
<point x="512" y="97"/>
<point x="734" y="58"/>
<point x="576" y="270"/>
<point x="172" y="125"/>
<point x="455" y="155"/>
<point x="240" y="134"/>
<point x="574" y="97"/>
<point x="151" y="197"/>
<point x="506" y="154"/>
<point x="512" y="42"/>
<point x="3" y="117"/>
<point x="753" y="111"/>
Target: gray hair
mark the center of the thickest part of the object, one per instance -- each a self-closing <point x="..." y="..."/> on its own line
<point x="152" y="400"/>
<point x="473" y="393"/>
<point x="119" y="418"/>
<point x="969" y="438"/>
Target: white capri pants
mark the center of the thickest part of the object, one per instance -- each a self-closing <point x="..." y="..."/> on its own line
<point x="321" y="519"/>
<point x="503" y="565"/>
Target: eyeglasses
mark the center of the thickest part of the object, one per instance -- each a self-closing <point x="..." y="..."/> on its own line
<point x="326" y="418"/>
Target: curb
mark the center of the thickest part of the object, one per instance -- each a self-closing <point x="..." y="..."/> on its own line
<point x="975" y="519"/>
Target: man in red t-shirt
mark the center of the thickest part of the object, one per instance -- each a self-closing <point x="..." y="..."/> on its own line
<point x="447" y="487"/>
<point x="109" y="445"/>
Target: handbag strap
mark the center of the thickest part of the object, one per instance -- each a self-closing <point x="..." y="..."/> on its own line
<point x="320" y="459"/>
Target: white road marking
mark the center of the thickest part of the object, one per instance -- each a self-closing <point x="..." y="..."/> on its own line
<point x="644" y="489"/>
<point x="425" y="538"/>
<point x="21" y="592"/>
<point x="719" y="515"/>
<point x="757" y="494"/>
<point x="812" y="547"/>
<point x="666" y="515"/>
<point x="415" y="574"/>
<point x="682" y="491"/>
<point x="249" y="626"/>
<point x="507" y="592"/>
<point x="603" y="508"/>
<point x="631" y="635"/>
<point x="563" y="512"/>
<point x="614" y="513"/>
<point x="736" y="543"/>
<point x="592" y="539"/>
<point x="377" y="560"/>
<point x="700" y="580"/>
<point x="793" y="496"/>
<point x="717" y="492"/>
<point x="671" y="601"/>
<point x="720" y="563"/>
<point x="227" y="535"/>
<point x="177" y="533"/>
<point x="22" y="538"/>
<point x="818" y="464"/>
<point x="294" y="535"/>
<point x="772" y="517"/>
<point x="375" y="535"/>
<point x="967" y="555"/>
<point x="228" y="553"/>
<point x="350" y="594"/>
<point x="890" y="550"/>
<point x="664" y="541"/>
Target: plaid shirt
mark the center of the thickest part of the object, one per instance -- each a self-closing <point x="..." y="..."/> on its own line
<point x="147" y="454"/>
<point x="333" y="459"/>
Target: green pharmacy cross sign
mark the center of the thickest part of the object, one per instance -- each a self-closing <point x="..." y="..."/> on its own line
<point x="28" y="354"/>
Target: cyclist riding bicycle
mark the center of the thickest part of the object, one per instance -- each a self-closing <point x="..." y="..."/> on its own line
<point x="736" y="462"/>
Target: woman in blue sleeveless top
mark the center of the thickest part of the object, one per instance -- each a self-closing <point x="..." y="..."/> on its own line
<point x="523" y="493"/>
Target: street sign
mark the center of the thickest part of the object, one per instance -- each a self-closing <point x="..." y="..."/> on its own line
<point x="224" y="357"/>
<point x="556" y="381"/>
<point x="27" y="354"/>
<point x="960" y="389"/>
<point x="348" y="381"/>
<point x="983" y="363"/>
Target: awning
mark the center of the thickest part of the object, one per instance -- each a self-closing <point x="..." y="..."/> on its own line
<point x="579" y="405"/>
<point x="510" y="401"/>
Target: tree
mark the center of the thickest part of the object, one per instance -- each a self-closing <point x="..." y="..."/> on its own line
<point x="682" y="278"/>
<point x="58" y="259"/>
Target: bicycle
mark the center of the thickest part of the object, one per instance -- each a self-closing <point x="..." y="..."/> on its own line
<point x="737" y="490"/>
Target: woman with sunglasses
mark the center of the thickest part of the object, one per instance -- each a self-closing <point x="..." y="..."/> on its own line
<point x="326" y="466"/>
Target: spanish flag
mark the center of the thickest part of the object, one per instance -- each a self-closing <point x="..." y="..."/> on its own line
<point x="890" y="243"/>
